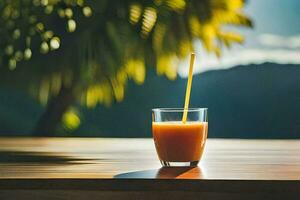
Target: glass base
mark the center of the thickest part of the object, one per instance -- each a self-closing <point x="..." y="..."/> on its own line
<point x="179" y="164"/>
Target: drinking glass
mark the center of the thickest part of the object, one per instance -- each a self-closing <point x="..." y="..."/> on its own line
<point x="179" y="143"/>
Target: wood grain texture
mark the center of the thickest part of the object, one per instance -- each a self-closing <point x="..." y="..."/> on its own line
<point x="229" y="166"/>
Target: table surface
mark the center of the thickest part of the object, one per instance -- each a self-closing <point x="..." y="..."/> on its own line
<point x="107" y="158"/>
<point x="98" y="168"/>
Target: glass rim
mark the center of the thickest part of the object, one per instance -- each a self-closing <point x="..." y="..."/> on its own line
<point x="179" y="109"/>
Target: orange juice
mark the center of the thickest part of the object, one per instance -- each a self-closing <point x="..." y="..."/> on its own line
<point x="179" y="142"/>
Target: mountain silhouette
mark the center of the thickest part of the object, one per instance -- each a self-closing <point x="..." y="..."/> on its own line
<point x="254" y="101"/>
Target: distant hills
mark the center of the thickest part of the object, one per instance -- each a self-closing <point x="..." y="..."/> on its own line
<point x="254" y="101"/>
<point x="18" y="112"/>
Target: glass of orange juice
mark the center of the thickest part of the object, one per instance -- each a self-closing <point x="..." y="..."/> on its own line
<point x="179" y="143"/>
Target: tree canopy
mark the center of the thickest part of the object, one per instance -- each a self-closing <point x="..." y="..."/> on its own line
<point x="94" y="47"/>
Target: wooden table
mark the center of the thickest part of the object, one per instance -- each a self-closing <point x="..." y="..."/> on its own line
<point x="90" y="168"/>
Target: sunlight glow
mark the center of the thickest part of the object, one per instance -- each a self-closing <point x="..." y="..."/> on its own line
<point x="71" y="120"/>
<point x="149" y="19"/>
<point x="71" y="25"/>
<point x="55" y="43"/>
<point x="135" y="12"/>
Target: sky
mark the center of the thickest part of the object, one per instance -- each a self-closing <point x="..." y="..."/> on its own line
<point x="274" y="38"/>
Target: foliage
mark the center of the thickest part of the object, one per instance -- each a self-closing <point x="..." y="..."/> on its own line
<point x="95" y="47"/>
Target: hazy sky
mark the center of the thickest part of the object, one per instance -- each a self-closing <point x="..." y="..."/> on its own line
<point x="274" y="38"/>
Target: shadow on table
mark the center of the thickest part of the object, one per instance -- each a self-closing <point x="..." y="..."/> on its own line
<point x="164" y="173"/>
<point x="41" y="157"/>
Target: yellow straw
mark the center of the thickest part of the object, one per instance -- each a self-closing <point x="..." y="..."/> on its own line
<point x="188" y="89"/>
